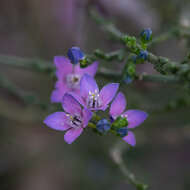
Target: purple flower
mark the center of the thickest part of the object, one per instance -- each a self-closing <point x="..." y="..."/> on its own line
<point x="90" y="96"/>
<point x="69" y="76"/>
<point x="73" y="120"/>
<point x="134" y="117"/>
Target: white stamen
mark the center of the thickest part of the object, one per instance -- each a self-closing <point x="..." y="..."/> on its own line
<point x="74" y="121"/>
<point x="122" y="115"/>
<point x="93" y="100"/>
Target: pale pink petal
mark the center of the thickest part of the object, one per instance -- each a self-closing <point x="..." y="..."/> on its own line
<point x="90" y="70"/>
<point x="72" y="134"/>
<point x="63" y="66"/>
<point x="135" y="117"/>
<point x="58" y="93"/>
<point x="87" y="115"/>
<point x="71" y="105"/>
<point x="57" y="121"/>
<point x="87" y="84"/>
<point x="108" y="92"/>
<point x="130" y="138"/>
<point x="118" y="105"/>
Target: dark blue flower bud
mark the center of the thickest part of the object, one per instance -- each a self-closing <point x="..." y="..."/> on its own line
<point x="128" y="80"/>
<point x="146" y="35"/>
<point x="122" y="132"/>
<point x="75" y="55"/>
<point x="143" y="54"/>
<point x="103" y="126"/>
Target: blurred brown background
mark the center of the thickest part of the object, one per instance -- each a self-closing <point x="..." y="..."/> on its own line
<point x="34" y="157"/>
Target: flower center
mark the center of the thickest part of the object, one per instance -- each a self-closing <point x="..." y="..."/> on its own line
<point x="74" y="121"/>
<point x="73" y="81"/>
<point x="93" y="100"/>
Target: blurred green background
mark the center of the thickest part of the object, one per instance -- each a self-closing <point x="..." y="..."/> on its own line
<point x="34" y="157"/>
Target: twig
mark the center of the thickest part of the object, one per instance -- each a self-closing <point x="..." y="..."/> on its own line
<point x="42" y="66"/>
<point x="161" y="64"/>
<point x="116" y="154"/>
<point x="159" y="78"/>
<point x="26" y="97"/>
<point x="177" y="32"/>
<point x="28" y="63"/>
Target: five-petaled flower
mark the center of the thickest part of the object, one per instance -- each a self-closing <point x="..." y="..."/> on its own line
<point x="90" y="96"/>
<point x="134" y="118"/>
<point x="73" y="120"/>
<point x="69" y="76"/>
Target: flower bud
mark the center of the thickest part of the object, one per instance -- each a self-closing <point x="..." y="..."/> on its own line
<point x="120" y="122"/>
<point x="143" y="55"/>
<point x="75" y="55"/>
<point x="146" y="35"/>
<point x="122" y="132"/>
<point x="83" y="63"/>
<point x="103" y="126"/>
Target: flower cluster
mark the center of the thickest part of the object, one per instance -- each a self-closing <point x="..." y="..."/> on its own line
<point x="69" y="73"/>
<point x="81" y="99"/>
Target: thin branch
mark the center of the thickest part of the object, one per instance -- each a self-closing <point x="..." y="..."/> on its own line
<point x="176" y="32"/>
<point x="161" y="64"/>
<point x="142" y="77"/>
<point x="25" y="97"/>
<point x="159" y="78"/>
<point x="38" y="65"/>
<point x="28" y="63"/>
<point x="116" y="155"/>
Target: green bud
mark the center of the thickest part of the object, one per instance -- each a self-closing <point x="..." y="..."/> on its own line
<point x="83" y="63"/>
<point x="130" y="41"/>
<point x="120" y="122"/>
<point x="131" y="69"/>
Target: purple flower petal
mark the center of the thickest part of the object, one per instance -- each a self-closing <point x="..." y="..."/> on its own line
<point x="72" y="134"/>
<point x="77" y="97"/>
<point x="57" y="94"/>
<point x="108" y="92"/>
<point x="118" y="105"/>
<point x="63" y="66"/>
<point x="87" y="115"/>
<point x="71" y="105"/>
<point x="103" y="108"/>
<point x="135" y="117"/>
<point x="130" y="138"/>
<point x="57" y="121"/>
<point x="87" y="84"/>
<point x="90" y="70"/>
